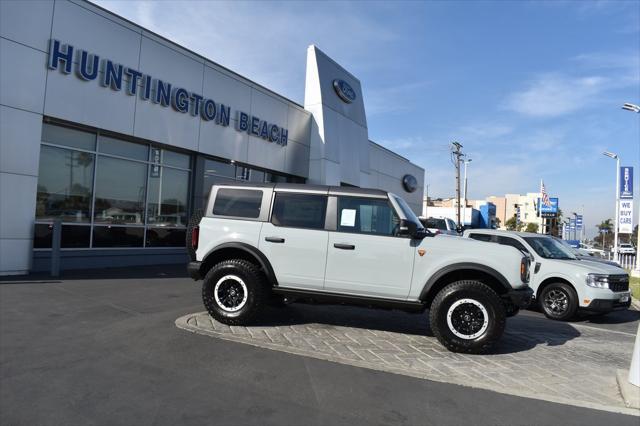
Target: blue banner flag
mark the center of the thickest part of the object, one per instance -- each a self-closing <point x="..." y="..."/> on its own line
<point x="626" y="182"/>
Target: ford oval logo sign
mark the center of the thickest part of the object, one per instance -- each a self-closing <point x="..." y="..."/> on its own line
<point x="344" y="90"/>
<point x="410" y="183"/>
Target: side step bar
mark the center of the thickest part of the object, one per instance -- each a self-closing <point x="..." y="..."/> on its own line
<point x="345" y="299"/>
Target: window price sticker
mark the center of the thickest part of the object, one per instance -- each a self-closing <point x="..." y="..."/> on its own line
<point x="348" y="217"/>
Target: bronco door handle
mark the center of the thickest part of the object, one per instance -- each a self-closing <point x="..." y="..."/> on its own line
<point x="344" y="246"/>
<point x="274" y="239"/>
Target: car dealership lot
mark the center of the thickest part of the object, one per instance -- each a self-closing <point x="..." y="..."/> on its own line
<point x="82" y="350"/>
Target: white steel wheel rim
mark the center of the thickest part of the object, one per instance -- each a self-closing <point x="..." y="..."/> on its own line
<point x="239" y="286"/>
<point x="451" y="318"/>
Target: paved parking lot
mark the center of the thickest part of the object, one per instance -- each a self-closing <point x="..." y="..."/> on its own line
<point x="102" y="348"/>
<point x="570" y="362"/>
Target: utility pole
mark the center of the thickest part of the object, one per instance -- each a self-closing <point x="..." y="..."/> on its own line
<point x="456" y="151"/>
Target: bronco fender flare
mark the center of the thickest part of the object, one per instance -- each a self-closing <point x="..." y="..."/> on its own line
<point x="464" y="266"/>
<point x="250" y="251"/>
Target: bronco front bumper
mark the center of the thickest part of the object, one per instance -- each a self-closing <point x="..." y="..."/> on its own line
<point x="519" y="297"/>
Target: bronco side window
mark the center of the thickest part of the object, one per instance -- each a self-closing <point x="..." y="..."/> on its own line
<point x="366" y="216"/>
<point x="299" y="210"/>
<point x="238" y="202"/>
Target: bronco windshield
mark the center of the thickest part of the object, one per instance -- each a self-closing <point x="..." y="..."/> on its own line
<point x="549" y="248"/>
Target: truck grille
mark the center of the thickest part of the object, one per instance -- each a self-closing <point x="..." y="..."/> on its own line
<point x="619" y="282"/>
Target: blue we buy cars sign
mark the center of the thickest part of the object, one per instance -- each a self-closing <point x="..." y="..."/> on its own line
<point x="626" y="182"/>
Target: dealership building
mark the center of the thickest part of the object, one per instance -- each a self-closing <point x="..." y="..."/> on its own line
<point x="120" y="133"/>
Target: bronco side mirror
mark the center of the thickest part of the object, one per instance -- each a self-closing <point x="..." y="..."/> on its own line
<point x="407" y="228"/>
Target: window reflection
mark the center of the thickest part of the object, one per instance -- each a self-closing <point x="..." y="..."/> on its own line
<point x="64" y="185"/>
<point x="120" y="191"/>
<point x="168" y="197"/>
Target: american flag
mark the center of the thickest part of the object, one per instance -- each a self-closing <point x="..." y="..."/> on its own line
<point x="545" y="196"/>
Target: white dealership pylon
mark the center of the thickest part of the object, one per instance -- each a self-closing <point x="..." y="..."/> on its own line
<point x="634" y="369"/>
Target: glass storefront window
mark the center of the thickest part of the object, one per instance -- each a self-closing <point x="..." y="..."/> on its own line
<point x="72" y="236"/>
<point x="166" y="237"/>
<point x="118" y="236"/>
<point x="68" y="137"/>
<point x="120" y="191"/>
<point x="175" y="159"/>
<point x="168" y="197"/>
<point x="123" y="149"/>
<point x="65" y="183"/>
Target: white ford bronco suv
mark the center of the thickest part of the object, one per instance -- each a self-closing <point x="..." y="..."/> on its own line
<point x="562" y="283"/>
<point x="272" y="243"/>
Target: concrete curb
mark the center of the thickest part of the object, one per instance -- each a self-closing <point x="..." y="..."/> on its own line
<point x="183" y="324"/>
<point x="635" y="303"/>
<point x="629" y="392"/>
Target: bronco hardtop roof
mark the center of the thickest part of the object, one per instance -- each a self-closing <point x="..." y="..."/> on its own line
<point x="309" y="188"/>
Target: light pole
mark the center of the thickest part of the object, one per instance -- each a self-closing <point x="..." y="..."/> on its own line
<point x="615" y="225"/>
<point x="635" y="108"/>
<point x="466" y="162"/>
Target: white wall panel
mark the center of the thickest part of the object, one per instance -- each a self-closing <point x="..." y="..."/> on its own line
<point x="15" y="256"/>
<point x="268" y="108"/>
<point x="225" y="142"/>
<point x="27" y="22"/>
<point x="20" y="135"/>
<point x="227" y="90"/>
<point x="89" y="103"/>
<point x="296" y="159"/>
<point x="299" y="124"/>
<point x="18" y="206"/>
<point x="87" y="30"/>
<point x="266" y="154"/>
<point x="22" y="77"/>
<point x="161" y="61"/>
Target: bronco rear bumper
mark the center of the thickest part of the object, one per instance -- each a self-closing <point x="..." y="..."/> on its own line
<point x="193" y="268"/>
<point x="519" y="297"/>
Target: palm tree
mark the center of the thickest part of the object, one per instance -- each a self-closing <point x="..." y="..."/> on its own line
<point x="604" y="228"/>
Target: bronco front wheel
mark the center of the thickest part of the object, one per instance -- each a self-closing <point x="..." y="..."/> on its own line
<point x="467" y="316"/>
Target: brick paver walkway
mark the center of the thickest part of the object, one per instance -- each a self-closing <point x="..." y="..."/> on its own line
<point x="536" y="358"/>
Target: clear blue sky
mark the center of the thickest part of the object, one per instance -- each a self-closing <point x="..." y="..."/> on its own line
<point x="531" y="89"/>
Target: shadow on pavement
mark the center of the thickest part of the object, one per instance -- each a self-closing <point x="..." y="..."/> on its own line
<point x="133" y="272"/>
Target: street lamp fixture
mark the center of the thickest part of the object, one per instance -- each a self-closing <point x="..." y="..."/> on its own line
<point x="631" y="107"/>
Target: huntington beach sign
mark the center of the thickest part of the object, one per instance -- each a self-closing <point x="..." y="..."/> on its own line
<point x="117" y="77"/>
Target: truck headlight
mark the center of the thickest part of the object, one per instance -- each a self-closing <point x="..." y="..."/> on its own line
<point x="598" y="281"/>
<point x="524" y="270"/>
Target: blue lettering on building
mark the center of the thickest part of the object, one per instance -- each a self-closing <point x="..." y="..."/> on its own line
<point x="88" y="71"/>
<point x="132" y="86"/>
<point x="208" y="110"/>
<point x="112" y="75"/>
<point x="61" y="57"/>
<point x="180" y="100"/>
<point x="163" y="93"/>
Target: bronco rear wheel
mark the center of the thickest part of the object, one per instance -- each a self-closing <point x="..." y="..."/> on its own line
<point x="467" y="316"/>
<point x="234" y="291"/>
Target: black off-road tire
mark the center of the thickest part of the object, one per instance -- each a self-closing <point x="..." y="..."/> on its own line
<point x="480" y="294"/>
<point x="194" y="221"/>
<point x="565" y="290"/>
<point x="257" y="294"/>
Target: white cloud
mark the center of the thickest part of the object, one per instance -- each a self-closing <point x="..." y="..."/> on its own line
<point x="553" y="95"/>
